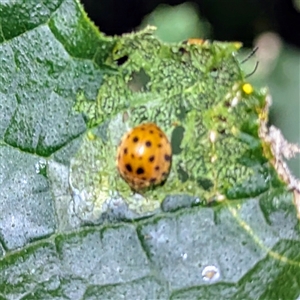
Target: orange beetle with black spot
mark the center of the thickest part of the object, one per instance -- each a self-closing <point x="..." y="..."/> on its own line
<point x="144" y="156"/>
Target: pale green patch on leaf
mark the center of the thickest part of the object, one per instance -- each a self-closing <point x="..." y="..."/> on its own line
<point x="197" y="89"/>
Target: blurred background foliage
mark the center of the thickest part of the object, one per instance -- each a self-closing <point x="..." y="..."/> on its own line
<point x="272" y="25"/>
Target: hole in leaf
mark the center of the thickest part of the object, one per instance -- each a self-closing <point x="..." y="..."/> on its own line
<point x="122" y="60"/>
<point x="138" y="81"/>
<point x="176" y="139"/>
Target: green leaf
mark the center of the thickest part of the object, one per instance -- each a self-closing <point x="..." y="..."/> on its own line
<point x="224" y="224"/>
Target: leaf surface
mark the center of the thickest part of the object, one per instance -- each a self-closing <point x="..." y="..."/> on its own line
<point x="224" y="225"/>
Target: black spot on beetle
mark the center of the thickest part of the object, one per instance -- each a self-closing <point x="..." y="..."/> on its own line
<point x="152" y="180"/>
<point x="125" y="151"/>
<point x="151" y="158"/>
<point x="161" y="135"/>
<point x="128" y="167"/>
<point x="157" y="168"/>
<point x="144" y="178"/>
<point x="132" y="156"/>
<point x="164" y="174"/>
<point x="148" y="144"/>
<point x="140" y="171"/>
<point x="135" y="139"/>
<point x="167" y="157"/>
<point x="159" y="145"/>
<point x="151" y="131"/>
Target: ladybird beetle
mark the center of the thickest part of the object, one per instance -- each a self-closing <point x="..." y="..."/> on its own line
<point x="144" y="156"/>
